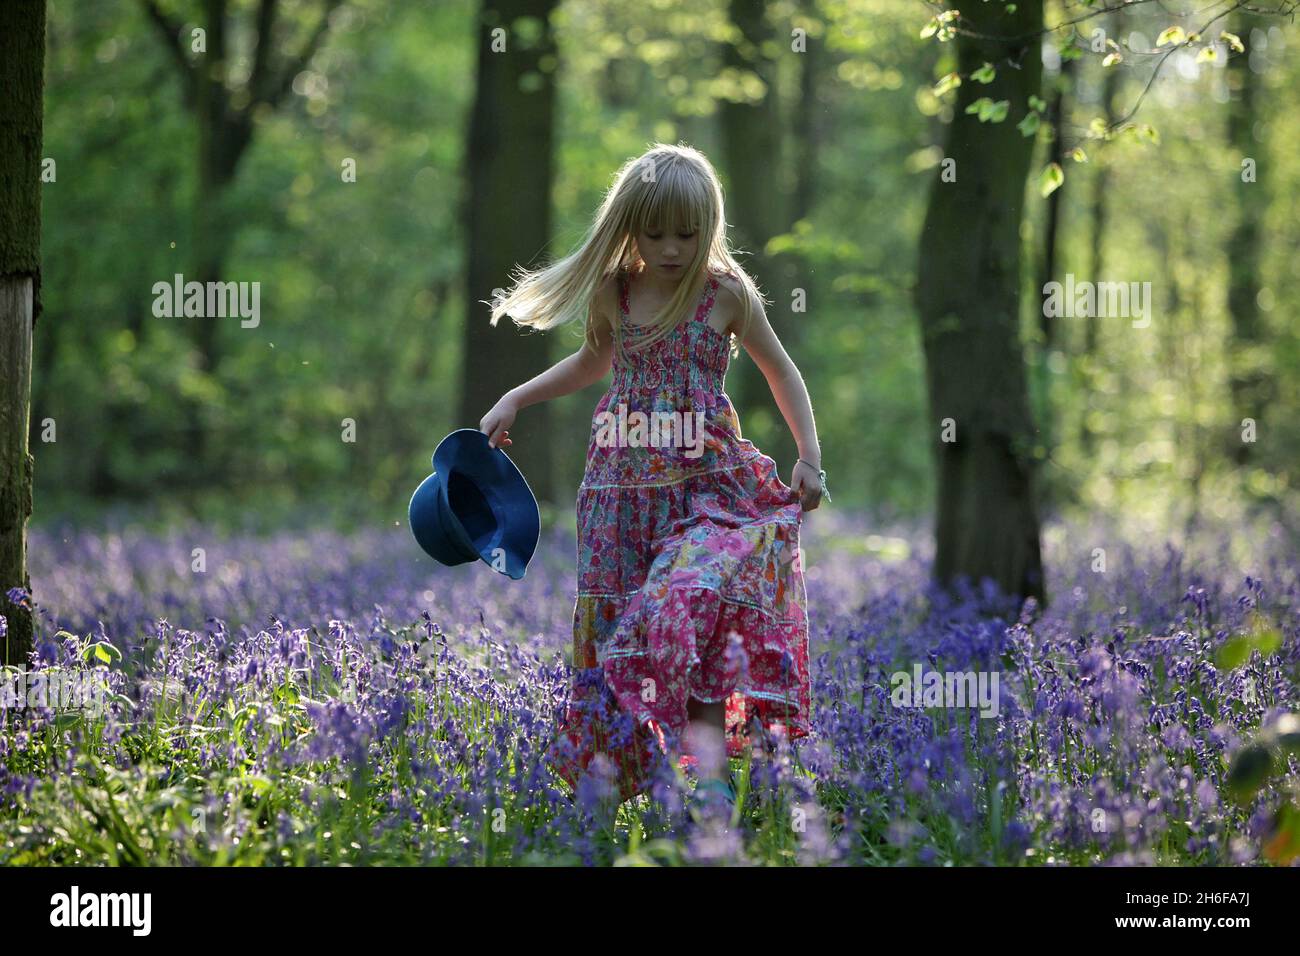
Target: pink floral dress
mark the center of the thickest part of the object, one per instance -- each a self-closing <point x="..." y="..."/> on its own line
<point x="689" y="581"/>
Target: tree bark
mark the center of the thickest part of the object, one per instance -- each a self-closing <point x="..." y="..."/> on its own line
<point x="22" y="76"/>
<point x="1097" y="261"/>
<point x="507" y="219"/>
<point x="1251" y="386"/>
<point x="756" y="203"/>
<point x="968" y="298"/>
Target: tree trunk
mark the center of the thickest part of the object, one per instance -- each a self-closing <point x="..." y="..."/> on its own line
<point x="752" y="134"/>
<point x="968" y="298"/>
<point x="1249" y="380"/>
<point x="1100" y="211"/>
<point x="808" y="131"/>
<point x="507" y="216"/>
<point x="1052" y="225"/>
<point x="22" y="76"/>
<point x="1050" y="336"/>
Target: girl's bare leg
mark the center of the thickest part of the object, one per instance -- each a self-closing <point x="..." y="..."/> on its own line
<point x="706" y="738"/>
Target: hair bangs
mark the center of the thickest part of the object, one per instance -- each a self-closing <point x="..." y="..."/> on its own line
<point x="675" y="199"/>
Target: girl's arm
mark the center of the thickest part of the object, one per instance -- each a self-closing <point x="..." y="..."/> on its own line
<point x="791" y="397"/>
<point x="570" y="374"/>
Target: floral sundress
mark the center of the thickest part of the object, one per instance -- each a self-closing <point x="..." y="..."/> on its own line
<point x="689" y="577"/>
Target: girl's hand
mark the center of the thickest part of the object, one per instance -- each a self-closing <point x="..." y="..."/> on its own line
<point x="496" y="422"/>
<point x="808" y="482"/>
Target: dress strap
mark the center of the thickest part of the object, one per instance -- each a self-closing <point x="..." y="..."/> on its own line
<point x="622" y="314"/>
<point x="705" y="307"/>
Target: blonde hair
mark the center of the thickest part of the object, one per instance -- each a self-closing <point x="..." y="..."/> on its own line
<point x="666" y="185"/>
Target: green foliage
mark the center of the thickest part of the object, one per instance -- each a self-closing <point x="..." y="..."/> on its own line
<point x="363" y="296"/>
<point x="989" y="110"/>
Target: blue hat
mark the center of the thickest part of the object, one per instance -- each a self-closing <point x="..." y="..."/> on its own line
<point x="476" y="504"/>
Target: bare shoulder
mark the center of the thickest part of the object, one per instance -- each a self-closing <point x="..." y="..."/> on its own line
<point x="729" y="301"/>
<point x="604" y="303"/>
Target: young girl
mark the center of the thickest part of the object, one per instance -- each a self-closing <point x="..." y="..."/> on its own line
<point x="690" y="623"/>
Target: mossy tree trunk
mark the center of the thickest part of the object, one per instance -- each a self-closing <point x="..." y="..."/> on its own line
<point x="968" y="297"/>
<point x="22" y="77"/>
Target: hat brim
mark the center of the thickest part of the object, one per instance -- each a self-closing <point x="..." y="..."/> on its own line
<point x="436" y="528"/>
<point x="491" y="500"/>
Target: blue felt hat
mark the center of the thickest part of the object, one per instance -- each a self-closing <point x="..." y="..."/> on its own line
<point x="476" y="504"/>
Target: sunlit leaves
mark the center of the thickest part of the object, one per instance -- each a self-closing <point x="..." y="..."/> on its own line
<point x="1175" y="35"/>
<point x="941" y="26"/>
<point x="1146" y="133"/>
<point x="1050" y="179"/>
<point x="989" y="110"/>
<point x="1233" y="41"/>
<point x="1033" y="119"/>
<point x="984" y="74"/>
<point x="947" y="83"/>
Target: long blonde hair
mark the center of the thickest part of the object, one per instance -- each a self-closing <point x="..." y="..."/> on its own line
<point x="665" y="185"/>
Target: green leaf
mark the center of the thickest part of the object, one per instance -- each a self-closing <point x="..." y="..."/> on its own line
<point x="102" y="654"/>
<point x="1208" y="54"/>
<point x="1078" y="155"/>
<point x="984" y="74"/>
<point x="1037" y="103"/>
<point x="1029" y="125"/>
<point x="1234" y="652"/>
<point x="1250" y="769"/>
<point x="1233" y="41"/>
<point x="947" y="83"/>
<point x="930" y="29"/>
<point x="988" y="110"/>
<point x="1110" y="59"/>
<point x="1173" y="34"/>
<point x="1049" y="181"/>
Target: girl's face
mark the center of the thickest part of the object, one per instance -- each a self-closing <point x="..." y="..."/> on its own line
<point x="667" y="252"/>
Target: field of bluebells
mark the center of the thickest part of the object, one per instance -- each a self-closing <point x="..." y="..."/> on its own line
<point x="328" y="698"/>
